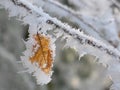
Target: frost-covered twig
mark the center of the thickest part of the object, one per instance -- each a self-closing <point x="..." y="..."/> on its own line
<point x="75" y="18"/>
<point x="69" y="15"/>
<point x="82" y="38"/>
<point x="71" y="12"/>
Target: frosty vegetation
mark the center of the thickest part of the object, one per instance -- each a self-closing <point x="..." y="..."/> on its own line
<point x="90" y="27"/>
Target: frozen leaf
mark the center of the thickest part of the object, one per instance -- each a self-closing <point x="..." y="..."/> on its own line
<point x="43" y="53"/>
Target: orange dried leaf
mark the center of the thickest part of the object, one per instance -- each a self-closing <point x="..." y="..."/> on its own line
<point x="43" y="55"/>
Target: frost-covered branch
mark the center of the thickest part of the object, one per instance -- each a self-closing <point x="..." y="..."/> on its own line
<point x="87" y="24"/>
<point x="82" y="38"/>
<point x="73" y="18"/>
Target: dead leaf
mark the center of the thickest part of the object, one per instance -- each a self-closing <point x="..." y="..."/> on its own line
<point x="43" y="55"/>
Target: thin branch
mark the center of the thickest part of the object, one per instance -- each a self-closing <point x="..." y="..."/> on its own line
<point x="82" y="38"/>
<point x="75" y="18"/>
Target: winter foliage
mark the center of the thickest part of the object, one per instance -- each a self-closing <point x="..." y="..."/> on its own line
<point x="84" y="33"/>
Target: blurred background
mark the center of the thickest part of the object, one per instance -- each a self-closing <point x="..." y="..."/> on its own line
<point x="70" y="71"/>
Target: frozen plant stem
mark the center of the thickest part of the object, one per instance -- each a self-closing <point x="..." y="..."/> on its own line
<point x="72" y="13"/>
<point x="80" y="36"/>
<point x="75" y="18"/>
